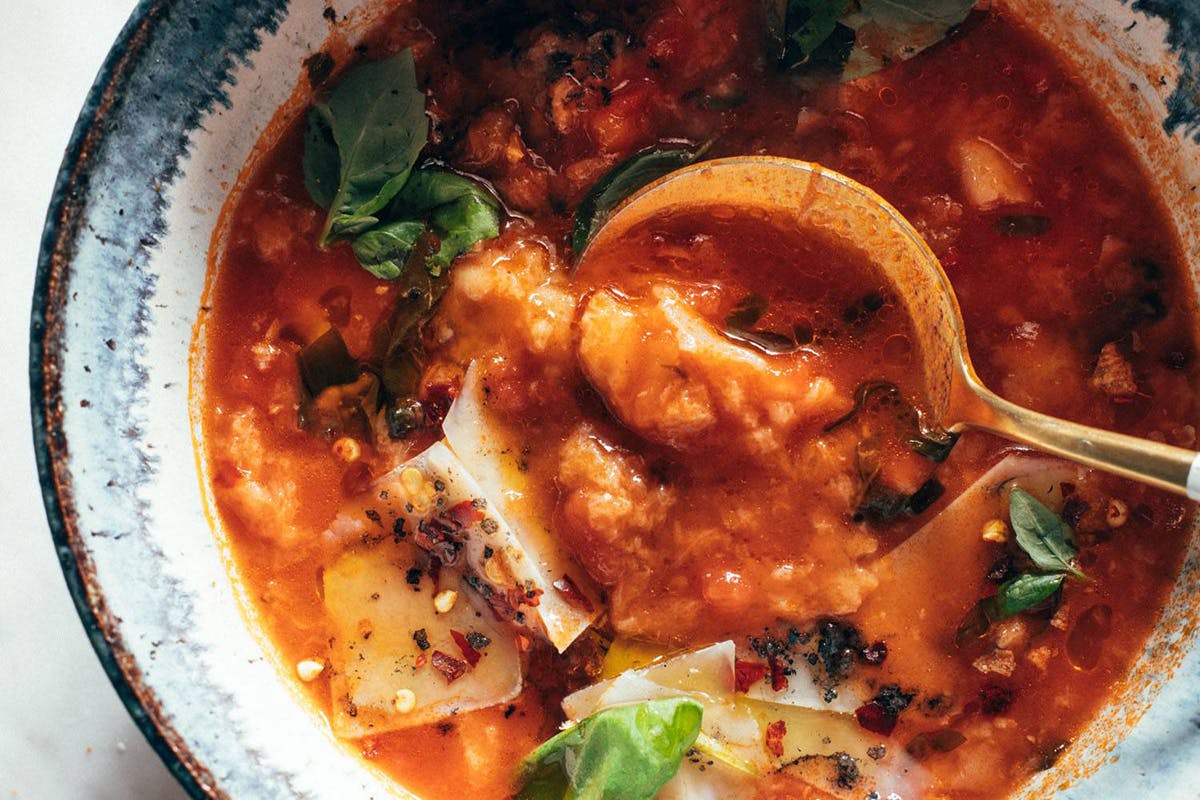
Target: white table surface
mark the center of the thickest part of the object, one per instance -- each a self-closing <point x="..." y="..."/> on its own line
<point x="63" y="732"/>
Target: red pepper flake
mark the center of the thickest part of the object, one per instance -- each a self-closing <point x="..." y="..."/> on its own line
<point x="747" y="673"/>
<point x="875" y="718"/>
<point x="451" y="668"/>
<point x="464" y="514"/>
<point x="775" y="733"/>
<point x="523" y="643"/>
<point x="469" y="653"/>
<point x="779" y="680"/>
<point x="567" y="588"/>
<point x="420" y="661"/>
<point x="532" y="597"/>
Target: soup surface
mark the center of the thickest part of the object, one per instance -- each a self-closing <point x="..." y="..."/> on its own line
<point x="704" y="450"/>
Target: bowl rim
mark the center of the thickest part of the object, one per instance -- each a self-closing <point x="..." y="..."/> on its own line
<point x="66" y="207"/>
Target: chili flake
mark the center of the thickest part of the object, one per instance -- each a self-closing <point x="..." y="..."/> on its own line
<point x="775" y="733"/>
<point x="451" y="668"/>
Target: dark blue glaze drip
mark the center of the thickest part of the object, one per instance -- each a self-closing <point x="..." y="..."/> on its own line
<point x="1183" y="37"/>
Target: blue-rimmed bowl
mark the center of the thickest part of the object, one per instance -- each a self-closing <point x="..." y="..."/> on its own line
<point x="187" y="90"/>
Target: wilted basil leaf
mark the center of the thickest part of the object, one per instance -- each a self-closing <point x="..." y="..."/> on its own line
<point x="1021" y="594"/>
<point x="326" y="362"/>
<point x="807" y="25"/>
<point x="621" y="753"/>
<point x="621" y="181"/>
<point x="934" y="446"/>
<point x="1041" y="533"/>
<point x="382" y="251"/>
<point x="828" y="31"/>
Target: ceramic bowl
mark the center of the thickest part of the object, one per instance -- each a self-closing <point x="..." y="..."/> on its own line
<point x="187" y="90"/>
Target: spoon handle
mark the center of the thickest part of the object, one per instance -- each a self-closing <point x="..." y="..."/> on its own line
<point x="1161" y="465"/>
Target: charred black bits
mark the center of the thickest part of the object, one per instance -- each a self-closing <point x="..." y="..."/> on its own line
<point x="1003" y="568"/>
<point x="421" y="638"/>
<point x="892" y="699"/>
<point x="413" y="576"/>
<point x="938" y="705"/>
<point x="318" y="66"/>
<point x="1073" y="511"/>
<point x="876" y="752"/>
<point x="477" y="640"/>
<point x="875" y="653"/>
<point x="838" y="646"/>
<point x="847" y="770"/>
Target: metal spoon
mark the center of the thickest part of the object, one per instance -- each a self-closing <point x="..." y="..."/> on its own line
<point x="808" y="195"/>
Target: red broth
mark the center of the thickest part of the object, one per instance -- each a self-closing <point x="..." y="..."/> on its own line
<point x="731" y="515"/>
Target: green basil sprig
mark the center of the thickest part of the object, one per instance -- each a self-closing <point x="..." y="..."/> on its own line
<point x="360" y="152"/>
<point x="621" y="753"/>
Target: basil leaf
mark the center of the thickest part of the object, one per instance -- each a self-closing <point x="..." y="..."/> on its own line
<point x="376" y="118"/>
<point x="321" y="164"/>
<point x="620" y="182"/>
<point x="1021" y="594"/>
<point x="458" y="210"/>
<point x="326" y="362"/>
<point x="807" y="24"/>
<point x="382" y="251"/>
<point x="934" y="445"/>
<point x="621" y="753"/>
<point x="827" y="31"/>
<point x="1041" y="533"/>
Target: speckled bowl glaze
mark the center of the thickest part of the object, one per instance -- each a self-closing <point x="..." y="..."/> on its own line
<point x="188" y="89"/>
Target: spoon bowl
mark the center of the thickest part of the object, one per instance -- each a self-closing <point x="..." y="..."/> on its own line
<point x="814" y="198"/>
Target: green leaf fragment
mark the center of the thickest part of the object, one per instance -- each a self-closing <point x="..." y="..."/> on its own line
<point x="620" y="182"/>
<point x="621" y="753"/>
<point x="459" y="211"/>
<point x="807" y="24"/>
<point x="1044" y="537"/>
<point x="1021" y="594"/>
<point x="864" y="36"/>
<point x="382" y="251"/>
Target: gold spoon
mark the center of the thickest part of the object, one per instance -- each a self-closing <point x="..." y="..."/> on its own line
<point x="814" y="197"/>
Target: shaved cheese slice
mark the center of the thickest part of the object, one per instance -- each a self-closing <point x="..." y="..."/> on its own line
<point x="706" y="674"/>
<point x="433" y="501"/>
<point x="738" y="724"/>
<point x="377" y="606"/>
<point x="492" y="458"/>
<point x="803" y="691"/>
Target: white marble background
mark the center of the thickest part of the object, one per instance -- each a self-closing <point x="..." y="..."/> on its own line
<point x="63" y="732"/>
